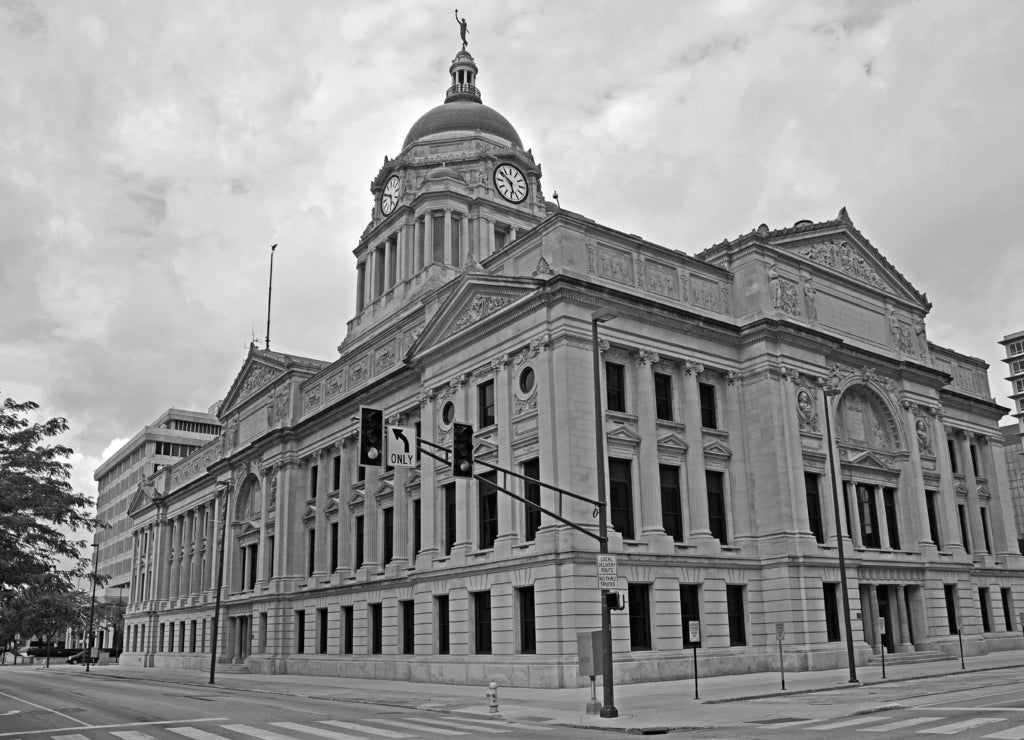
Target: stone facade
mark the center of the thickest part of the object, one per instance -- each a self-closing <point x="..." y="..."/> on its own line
<point x="476" y="306"/>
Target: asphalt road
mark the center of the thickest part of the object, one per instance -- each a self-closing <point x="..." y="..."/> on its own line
<point x="968" y="707"/>
<point x="54" y="704"/>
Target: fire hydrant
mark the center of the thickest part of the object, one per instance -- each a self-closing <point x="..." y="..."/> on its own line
<point x="492" y="694"/>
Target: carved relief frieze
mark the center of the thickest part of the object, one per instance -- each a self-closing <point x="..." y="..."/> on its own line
<point x="335" y="384"/>
<point x="809" y="300"/>
<point x="613" y="264"/>
<point x="784" y="294"/>
<point x="313" y="398"/>
<point x="385" y="356"/>
<point x="479" y="307"/>
<point x="900" y="333"/>
<point x="838" y="255"/>
<point x="257" y="377"/>
<point x="661" y="280"/>
<point x="358" y="371"/>
<point x="807" y="407"/>
<point x="705" y="294"/>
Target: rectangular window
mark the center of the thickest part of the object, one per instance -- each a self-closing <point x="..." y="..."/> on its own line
<point x="527" y="620"/>
<point x="482" y="622"/>
<point x="531" y="492"/>
<point x="689" y="609"/>
<point x="310" y="551"/>
<point x="360" y="532"/>
<point x="811" y="487"/>
<point x="485" y="404"/>
<point x="984" y="529"/>
<point x="708" y="410"/>
<point x="456" y="241"/>
<point x="620" y="495"/>
<point x="671" y="502"/>
<point x="975" y="465"/>
<point x="487" y="509"/>
<point x="389" y="534"/>
<point x="181" y="637"/>
<point x="737" y="615"/>
<point x="261" y="634"/>
<point x="639" y="616"/>
<point x="961" y="511"/>
<point x="321" y="631"/>
<point x="449" y="518"/>
<point x="889" y="501"/>
<point x="930" y="499"/>
<point x="831" y="611"/>
<point x="170" y="637"/>
<point x="868" y="517"/>
<point x="192" y="636"/>
<point x="1007" y="608"/>
<point x="334" y="546"/>
<point x="949" y="591"/>
<point x="336" y="473"/>
<point x="417" y="520"/>
<point x="986" y="620"/>
<point x="348" y="624"/>
<point x="437" y="236"/>
<point x="161" y="643"/>
<point x="377" y="628"/>
<point x="443" y="625"/>
<point x="408" y="627"/>
<point x="615" y="382"/>
<point x="954" y="463"/>
<point x="663" y="396"/>
<point x="300" y="631"/>
<point x="270" y="556"/>
<point x="715" y="481"/>
<point x="314" y="475"/>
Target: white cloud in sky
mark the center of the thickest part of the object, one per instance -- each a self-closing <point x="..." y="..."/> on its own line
<point x="152" y="152"/>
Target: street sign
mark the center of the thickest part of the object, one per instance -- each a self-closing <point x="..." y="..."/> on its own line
<point x="607" y="572"/>
<point x="780" y="631"/>
<point x="694" y="631"/>
<point x="881" y="626"/>
<point x="401" y="446"/>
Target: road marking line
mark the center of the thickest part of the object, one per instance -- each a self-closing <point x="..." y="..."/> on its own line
<point x="132" y="735"/>
<point x="195" y="733"/>
<point x="901" y="724"/>
<point x="122" y="724"/>
<point x="445" y="723"/>
<point x="501" y="723"/>
<point x="846" y="723"/>
<point x="956" y="727"/>
<point x="69" y="737"/>
<point x="1014" y="733"/>
<point x="257" y="732"/>
<point x="408" y="726"/>
<point x="318" y="731"/>
<point x="364" y="728"/>
<point x="45" y="709"/>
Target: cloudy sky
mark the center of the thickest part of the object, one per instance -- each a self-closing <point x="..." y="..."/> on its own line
<point x="151" y="152"/>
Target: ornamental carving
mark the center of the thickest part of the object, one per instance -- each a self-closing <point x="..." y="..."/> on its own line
<point x="784" y="293"/>
<point x="705" y="294"/>
<point x="359" y="370"/>
<point x="924" y="437"/>
<point x="480" y="307"/>
<point x="313" y="398"/>
<point x="841" y="257"/>
<point x="386" y="356"/>
<point x="900" y="331"/>
<point x="807" y="409"/>
<point x="335" y="384"/>
<point x="809" y="305"/>
<point x="661" y="280"/>
<point x="258" y="377"/>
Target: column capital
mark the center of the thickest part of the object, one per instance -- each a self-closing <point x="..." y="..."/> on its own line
<point x="690" y="367"/>
<point x="646" y="357"/>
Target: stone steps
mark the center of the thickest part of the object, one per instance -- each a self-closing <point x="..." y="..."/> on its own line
<point x="921" y="656"/>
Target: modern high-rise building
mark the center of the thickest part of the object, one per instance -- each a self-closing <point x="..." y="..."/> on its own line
<point x="744" y="393"/>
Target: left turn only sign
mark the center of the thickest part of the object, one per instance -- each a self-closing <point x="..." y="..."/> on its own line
<point x="401" y="446"/>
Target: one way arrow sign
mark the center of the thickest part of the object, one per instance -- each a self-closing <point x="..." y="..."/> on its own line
<point x="401" y="447"/>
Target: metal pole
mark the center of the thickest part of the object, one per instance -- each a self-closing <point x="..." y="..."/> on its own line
<point x="270" y="288"/>
<point x="828" y="393"/>
<point x="608" y="710"/>
<point x="220" y="578"/>
<point x="92" y="609"/>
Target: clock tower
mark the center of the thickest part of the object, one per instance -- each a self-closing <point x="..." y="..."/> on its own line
<point x="461" y="189"/>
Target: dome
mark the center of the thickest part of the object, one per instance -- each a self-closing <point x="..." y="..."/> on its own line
<point x="463" y="115"/>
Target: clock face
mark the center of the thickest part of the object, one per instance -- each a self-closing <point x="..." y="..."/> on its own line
<point x="389" y="198"/>
<point x="511" y="183"/>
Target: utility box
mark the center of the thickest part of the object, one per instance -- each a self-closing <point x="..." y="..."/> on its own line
<point x="103" y="658"/>
<point x="590" y="648"/>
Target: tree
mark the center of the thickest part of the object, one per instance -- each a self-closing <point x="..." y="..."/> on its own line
<point x="46" y="609"/>
<point x="37" y="504"/>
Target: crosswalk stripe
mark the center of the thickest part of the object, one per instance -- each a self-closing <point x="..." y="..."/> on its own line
<point x="69" y="737"/>
<point x="131" y="735"/>
<point x="967" y="724"/>
<point x="195" y="733"/>
<point x="901" y="724"/>
<point x="444" y="723"/>
<point x="256" y="732"/>
<point x="495" y="723"/>
<point x="364" y="728"/>
<point x="1014" y="733"/>
<point x="408" y="726"/>
<point x="318" y="731"/>
<point x="846" y="723"/>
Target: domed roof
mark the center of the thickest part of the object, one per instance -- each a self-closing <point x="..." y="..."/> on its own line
<point x="463" y="115"/>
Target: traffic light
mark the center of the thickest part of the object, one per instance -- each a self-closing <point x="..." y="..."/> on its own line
<point x="462" y="450"/>
<point x="371" y="436"/>
<point x="614" y="601"/>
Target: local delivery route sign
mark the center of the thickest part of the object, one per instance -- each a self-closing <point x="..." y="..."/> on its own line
<point x="401" y="447"/>
<point x="607" y="573"/>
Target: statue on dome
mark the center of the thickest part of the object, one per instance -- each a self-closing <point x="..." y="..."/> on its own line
<point x="462" y="28"/>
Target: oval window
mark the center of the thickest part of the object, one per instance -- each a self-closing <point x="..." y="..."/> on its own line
<point x="448" y="413"/>
<point x="526" y="380"/>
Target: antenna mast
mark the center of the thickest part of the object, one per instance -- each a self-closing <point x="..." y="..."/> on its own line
<point x="270" y="288"/>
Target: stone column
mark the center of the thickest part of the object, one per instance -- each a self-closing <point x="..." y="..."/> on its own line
<point x="652" y="527"/>
<point x="196" y="575"/>
<point x="793" y="449"/>
<point x="947" y="493"/>
<point x="973" y="502"/>
<point x="871" y="615"/>
<point x="400" y="517"/>
<point x="850" y="492"/>
<point x="428" y="238"/>
<point x="417" y="240"/>
<point x="371" y="283"/>
<point x="503" y="417"/>
<point x="465" y="488"/>
<point x="430" y="514"/>
<point x="349" y="452"/>
<point x="912" y="488"/>
<point x="173" y="550"/>
<point x="360" y="286"/>
<point x="162" y="554"/>
<point x="883" y="520"/>
<point x="696" y="484"/>
<point x="389" y="258"/>
<point x="321" y="557"/>
<point x="903" y="645"/>
<point x="448" y="236"/>
<point x="743" y="526"/>
<point x="464" y="241"/>
<point x="1004" y="534"/>
<point x="371" y="522"/>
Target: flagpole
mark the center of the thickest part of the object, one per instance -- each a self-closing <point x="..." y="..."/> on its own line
<point x="270" y="288"/>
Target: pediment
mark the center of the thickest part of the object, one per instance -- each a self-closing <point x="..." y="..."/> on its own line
<point x="622" y="433"/>
<point x="672" y="441"/>
<point x="717" y="448"/>
<point x="476" y="299"/>
<point x="145" y="496"/>
<point x="960" y="489"/>
<point x="414" y="478"/>
<point x="332" y="505"/>
<point x="247" y="528"/>
<point x="356" y="499"/>
<point x="259" y="370"/>
<point x="869" y="459"/>
<point x="386" y="488"/>
<point x="485" y="448"/>
<point x="309" y="513"/>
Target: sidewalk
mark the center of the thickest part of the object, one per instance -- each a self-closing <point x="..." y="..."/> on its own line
<point x="644" y="708"/>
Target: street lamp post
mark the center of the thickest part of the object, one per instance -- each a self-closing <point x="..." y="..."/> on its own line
<point x="92" y="609"/>
<point x="222" y="490"/>
<point x="608" y="709"/>
<point x="829" y="392"/>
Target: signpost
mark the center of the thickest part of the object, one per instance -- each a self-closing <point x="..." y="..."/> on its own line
<point x="694" y="626"/>
<point x="881" y="631"/>
<point x="607" y="572"/>
<point x="780" y="635"/>
<point x="401" y="446"/>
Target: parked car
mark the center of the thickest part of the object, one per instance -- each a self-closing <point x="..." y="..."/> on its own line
<point x="55" y="652"/>
<point x="77" y="657"/>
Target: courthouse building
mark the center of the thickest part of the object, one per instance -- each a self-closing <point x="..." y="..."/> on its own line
<point x="475" y="303"/>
